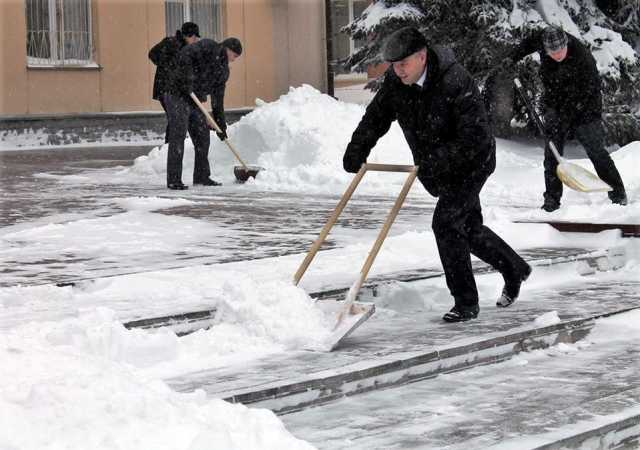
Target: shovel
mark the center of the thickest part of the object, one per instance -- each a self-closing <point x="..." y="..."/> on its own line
<point x="352" y="313"/>
<point x="573" y="175"/>
<point x="242" y="172"/>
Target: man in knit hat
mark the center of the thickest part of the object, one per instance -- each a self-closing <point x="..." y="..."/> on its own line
<point x="572" y="101"/>
<point x="202" y="69"/>
<point x="439" y="108"/>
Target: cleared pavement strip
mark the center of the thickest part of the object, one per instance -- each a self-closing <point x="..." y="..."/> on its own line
<point x="187" y="322"/>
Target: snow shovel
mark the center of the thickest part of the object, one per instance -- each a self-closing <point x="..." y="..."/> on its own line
<point x="352" y="314"/>
<point x="242" y="172"/>
<point x="573" y="175"/>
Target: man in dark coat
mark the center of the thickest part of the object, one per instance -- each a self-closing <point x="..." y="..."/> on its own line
<point x="438" y="106"/>
<point x="572" y="101"/>
<point x="164" y="55"/>
<point x="202" y="68"/>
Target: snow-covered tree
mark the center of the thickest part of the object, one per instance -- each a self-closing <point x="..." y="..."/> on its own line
<point x="482" y="32"/>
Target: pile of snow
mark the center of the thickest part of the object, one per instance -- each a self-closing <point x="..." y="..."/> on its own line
<point x="63" y="386"/>
<point x="299" y="140"/>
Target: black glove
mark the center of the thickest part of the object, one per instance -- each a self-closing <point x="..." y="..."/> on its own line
<point x="222" y="135"/>
<point x="352" y="161"/>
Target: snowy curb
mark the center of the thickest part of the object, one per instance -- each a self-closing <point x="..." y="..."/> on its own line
<point x="364" y="376"/>
<point x="188" y="322"/>
<point x="621" y="433"/>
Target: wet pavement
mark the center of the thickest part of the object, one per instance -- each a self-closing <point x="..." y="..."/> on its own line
<point x="250" y="223"/>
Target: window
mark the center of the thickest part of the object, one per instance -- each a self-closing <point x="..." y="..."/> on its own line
<point x="59" y="32"/>
<point x="344" y="12"/>
<point x="206" y="13"/>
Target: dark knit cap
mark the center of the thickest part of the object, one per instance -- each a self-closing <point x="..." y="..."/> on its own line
<point x="190" y="29"/>
<point x="233" y="44"/>
<point x="554" y="39"/>
<point x="402" y="43"/>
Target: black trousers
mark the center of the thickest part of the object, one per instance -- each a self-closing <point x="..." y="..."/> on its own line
<point x="459" y="231"/>
<point x="184" y="115"/>
<point x="163" y="103"/>
<point x="591" y="136"/>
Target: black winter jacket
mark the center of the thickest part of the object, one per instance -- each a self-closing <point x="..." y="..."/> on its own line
<point x="164" y="55"/>
<point x="444" y="123"/>
<point x="203" y="68"/>
<point x="572" y="86"/>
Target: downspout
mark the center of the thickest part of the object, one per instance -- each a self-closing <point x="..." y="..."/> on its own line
<point x="329" y="49"/>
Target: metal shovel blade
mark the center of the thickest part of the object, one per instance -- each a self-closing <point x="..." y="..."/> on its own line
<point x="580" y="179"/>
<point x="243" y="173"/>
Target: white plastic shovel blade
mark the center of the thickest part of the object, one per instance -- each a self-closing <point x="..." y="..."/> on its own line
<point x="580" y="179"/>
<point x="358" y="314"/>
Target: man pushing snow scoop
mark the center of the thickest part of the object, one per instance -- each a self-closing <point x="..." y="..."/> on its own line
<point x="441" y="113"/>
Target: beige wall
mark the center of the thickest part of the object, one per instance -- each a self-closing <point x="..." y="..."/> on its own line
<point x="283" y="46"/>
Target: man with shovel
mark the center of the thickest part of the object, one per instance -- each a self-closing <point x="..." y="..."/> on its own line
<point x="164" y="55"/>
<point x="439" y="108"/>
<point x="202" y="69"/>
<point x="572" y="101"/>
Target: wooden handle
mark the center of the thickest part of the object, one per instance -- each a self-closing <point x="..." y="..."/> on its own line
<point x="389" y="167"/>
<point x="217" y="128"/>
<point x="327" y="227"/>
<point x="353" y="292"/>
<point x="413" y="170"/>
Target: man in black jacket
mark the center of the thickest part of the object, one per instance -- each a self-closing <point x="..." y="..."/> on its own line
<point x="572" y="101"/>
<point x="164" y="55"/>
<point x="202" y="68"/>
<point x="439" y="108"/>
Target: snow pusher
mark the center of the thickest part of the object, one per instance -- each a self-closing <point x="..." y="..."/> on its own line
<point x="573" y="175"/>
<point x="350" y="314"/>
<point x="242" y="172"/>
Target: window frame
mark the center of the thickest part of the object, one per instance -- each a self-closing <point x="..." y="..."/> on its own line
<point x="187" y="16"/>
<point x="57" y="59"/>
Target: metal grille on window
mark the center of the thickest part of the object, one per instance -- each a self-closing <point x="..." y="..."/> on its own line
<point x="59" y="32"/>
<point x="206" y="13"/>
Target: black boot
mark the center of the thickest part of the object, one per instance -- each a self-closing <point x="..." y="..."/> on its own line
<point x="178" y="186"/>
<point x="550" y="205"/>
<point x="618" y="198"/>
<point x="207" y="182"/>
<point x="511" y="289"/>
<point x="458" y="314"/>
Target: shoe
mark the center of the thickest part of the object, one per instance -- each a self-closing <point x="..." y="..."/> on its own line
<point x="550" y="205"/>
<point x="461" y="315"/>
<point x="618" y="199"/>
<point x="177" y="186"/>
<point x="511" y="289"/>
<point x="207" y="182"/>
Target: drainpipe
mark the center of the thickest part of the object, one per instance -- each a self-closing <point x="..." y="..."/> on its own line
<point x="329" y="49"/>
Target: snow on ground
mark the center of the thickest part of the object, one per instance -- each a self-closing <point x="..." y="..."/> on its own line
<point x="68" y="385"/>
<point x="74" y="377"/>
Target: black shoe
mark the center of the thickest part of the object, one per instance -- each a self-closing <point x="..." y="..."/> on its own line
<point x="207" y="182"/>
<point x="550" y="205"/>
<point x="511" y="289"/>
<point x="618" y="199"/>
<point x="461" y="315"/>
<point x="177" y="186"/>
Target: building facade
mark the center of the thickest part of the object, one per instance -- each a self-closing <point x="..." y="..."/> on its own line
<point x="90" y="56"/>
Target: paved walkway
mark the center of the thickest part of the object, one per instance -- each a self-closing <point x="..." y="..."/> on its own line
<point x="391" y="335"/>
<point x="530" y="396"/>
